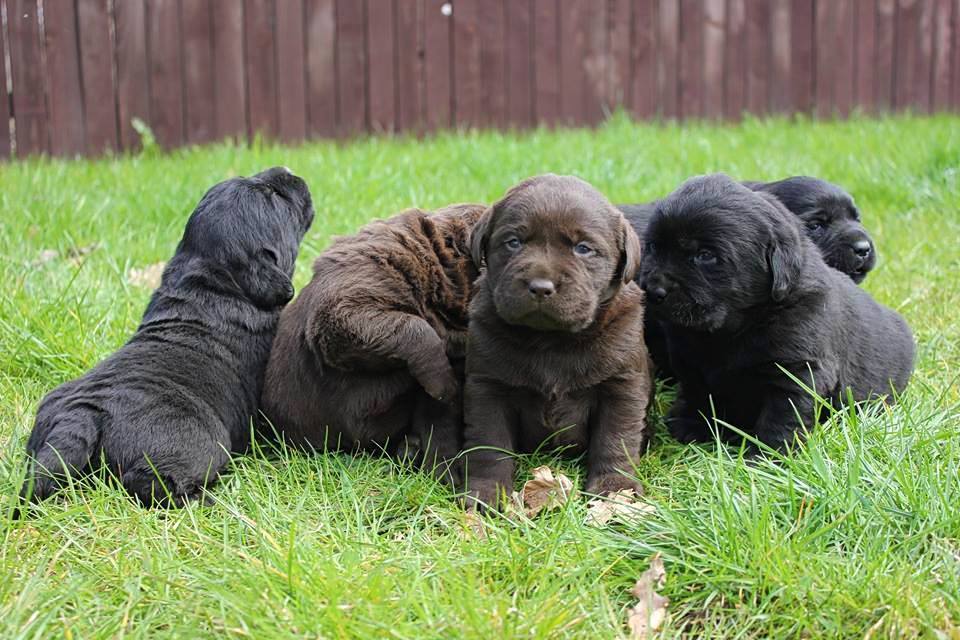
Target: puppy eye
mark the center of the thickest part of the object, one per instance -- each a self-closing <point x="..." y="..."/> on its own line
<point x="271" y="255"/>
<point x="815" y="225"/>
<point x="513" y="243"/>
<point x="705" y="257"/>
<point x="583" y="249"/>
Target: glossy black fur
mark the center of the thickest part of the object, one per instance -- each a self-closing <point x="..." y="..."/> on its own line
<point x="739" y="289"/>
<point x="172" y="403"/>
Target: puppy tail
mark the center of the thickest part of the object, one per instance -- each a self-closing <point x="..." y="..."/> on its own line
<point x="58" y="450"/>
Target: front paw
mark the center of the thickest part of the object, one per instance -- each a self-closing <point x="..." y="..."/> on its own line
<point x="455" y="344"/>
<point x="687" y="429"/>
<point x="612" y="482"/>
<point x="485" y="493"/>
<point x="440" y="382"/>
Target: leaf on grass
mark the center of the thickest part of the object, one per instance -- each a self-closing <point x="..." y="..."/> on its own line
<point x="544" y="492"/>
<point x="473" y="527"/>
<point x="624" y="506"/>
<point x="651" y="608"/>
<point x="73" y="255"/>
<point x="148" y="277"/>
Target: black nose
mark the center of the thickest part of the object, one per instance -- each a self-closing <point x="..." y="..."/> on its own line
<point x="541" y="288"/>
<point x="861" y="248"/>
<point x="657" y="294"/>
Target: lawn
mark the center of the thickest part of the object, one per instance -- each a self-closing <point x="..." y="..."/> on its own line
<point x="856" y="535"/>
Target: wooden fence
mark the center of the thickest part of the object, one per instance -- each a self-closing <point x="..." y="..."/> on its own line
<point x="77" y="72"/>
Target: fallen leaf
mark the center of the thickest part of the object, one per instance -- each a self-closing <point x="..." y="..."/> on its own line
<point x="624" y="505"/>
<point x="148" y="276"/>
<point x="72" y="254"/>
<point x="473" y="527"/>
<point x="651" y="608"/>
<point x="544" y="491"/>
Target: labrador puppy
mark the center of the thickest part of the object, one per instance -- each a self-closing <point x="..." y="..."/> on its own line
<point x="165" y="410"/>
<point x="555" y="352"/>
<point x="746" y="301"/>
<point x="366" y="357"/>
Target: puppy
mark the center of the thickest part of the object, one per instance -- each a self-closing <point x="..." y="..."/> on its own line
<point x="165" y="410"/>
<point x="555" y="351"/>
<point x="740" y="292"/>
<point x="365" y="357"/>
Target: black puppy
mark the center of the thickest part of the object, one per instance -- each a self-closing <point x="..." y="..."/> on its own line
<point x="740" y="292"/>
<point x="170" y="405"/>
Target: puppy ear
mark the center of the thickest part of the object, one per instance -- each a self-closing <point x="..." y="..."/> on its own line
<point x="785" y="253"/>
<point x="265" y="283"/>
<point x="480" y="237"/>
<point x="629" y="264"/>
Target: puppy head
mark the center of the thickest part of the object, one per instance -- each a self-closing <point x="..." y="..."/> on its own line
<point x="831" y="220"/>
<point x="243" y="238"/>
<point x="714" y="251"/>
<point x="555" y="250"/>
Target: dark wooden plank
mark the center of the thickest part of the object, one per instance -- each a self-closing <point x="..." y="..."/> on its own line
<point x="923" y="62"/>
<point x="63" y="79"/>
<point x="164" y="72"/>
<point x="842" y="57"/>
<point x="133" y="96"/>
<point x="781" y="98"/>
<point x="643" y="53"/>
<point x="735" y="60"/>
<point x="885" y="55"/>
<point x="438" y="64"/>
<point x="714" y="45"/>
<point x="493" y="98"/>
<point x="4" y="104"/>
<point x="907" y="45"/>
<point x="381" y="54"/>
<point x="943" y="43"/>
<point x="351" y="67"/>
<point x="691" y="58"/>
<point x="546" y="61"/>
<point x="802" y="56"/>
<point x="758" y="56"/>
<point x="321" y="68"/>
<point x="466" y="64"/>
<point x="668" y="37"/>
<point x="409" y="65"/>
<point x="620" y="69"/>
<point x="519" y="92"/>
<point x="291" y="72"/>
<point x="596" y="62"/>
<point x="865" y="69"/>
<point x="826" y="30"/>
<point x="198" y="79"/>
<point x="260" y="66"/>
<point x="96" y="65"/>
<point x="26" y="69"/>
<point x="229" y="78"/>
<point x="955" y="65"/>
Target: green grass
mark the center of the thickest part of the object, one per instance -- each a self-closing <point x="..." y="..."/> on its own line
<point x="857" y="534"/>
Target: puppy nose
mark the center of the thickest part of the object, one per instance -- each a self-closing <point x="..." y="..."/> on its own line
<point x="541" y="288"/>
<point x="861" y="248"/>
<point x="656" y="294"/>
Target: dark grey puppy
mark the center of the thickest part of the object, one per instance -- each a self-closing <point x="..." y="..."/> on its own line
<point x="740" y="291"/>
<point x="170" y="405"/>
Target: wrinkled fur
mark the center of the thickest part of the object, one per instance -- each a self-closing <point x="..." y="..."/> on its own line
<point x="167" y="408"/>
<point x="566" y="369"/>
<point x="739" y="289"/>
<point x="366" y="357"/>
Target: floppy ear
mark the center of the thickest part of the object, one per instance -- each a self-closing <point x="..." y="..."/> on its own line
<point x="629" y="245"/>
<point x="264" y="282"/>
<point x="480" y="237"/>
<point x="785" y="253"/>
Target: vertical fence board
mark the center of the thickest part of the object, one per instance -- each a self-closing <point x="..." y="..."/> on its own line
<point x="942" y="53"/>
<point x="321" y="67"/>
<point x="466" y="63"/>
<point x="291" y="72"/>
<point x="493" y="97"/>
<point x="4" y="104"/>
<point x="620" y="19"/>
<point x="573" y="79"/>
<point x="198" y="81"/>
<point x="781" y="60"/>
<point x="842" y="58"/>
<point x="381" y="52"/>
<point x="826" y="30"/>
<point x="438" y="84"/>
<point x="735" y="92"/>
<point x="597" y="62"/>
<point x="884" y="55"/>
<point x="691" y="58"/>
<point x="546" y="60"/>
<point x="714" y="44"/>
<point x="519" y="35"/>
<point x="758" y="56"/>
<point x="260" y="65"/>
<point x="955" y="65"/>
<point x="351" y="62"/>
<point x="133" y="96"/>
<point x="923" y="62"/>
<point x="865" y="47"/>
<point x="63" y="79"/>
<point x="229" y="80"/>
<point x="905" y="52"/>
<point x="410" y="59"/>
<point x="163" y="72"/>
<point x="26" y="69"/>
<point x="643" y="55"/>
<point x="96" y="65"/>
<point x="668" y="35"/>
<point x="802" y="55"/>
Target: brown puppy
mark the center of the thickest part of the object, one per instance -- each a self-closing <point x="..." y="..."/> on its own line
<point x="362" y="358"/>
<point x="555" y="352"/>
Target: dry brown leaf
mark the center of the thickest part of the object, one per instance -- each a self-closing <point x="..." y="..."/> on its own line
<point x="473" y="527"/>
<point x="73" y="255"/>
<point x="624" y="506"/>
<point x="544" y="492"/>
<point x="651" y="608"/>
<point x="148" y="276"/>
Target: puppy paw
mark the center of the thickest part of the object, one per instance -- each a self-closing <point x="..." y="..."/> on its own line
<point x="484" y="495"/>
<point x="611" y="483"/>
<point x="440" y="383"/>
<point x="687" y="430"/>
<point x="455" y="345"/>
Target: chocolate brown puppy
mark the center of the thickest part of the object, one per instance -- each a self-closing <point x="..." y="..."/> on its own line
<point x="365" y="358"/>
<point x="555" y="353"/>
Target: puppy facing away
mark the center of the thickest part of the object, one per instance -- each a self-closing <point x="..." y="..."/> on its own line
<point x="366" y="356"/>
<point x="740" y="291"/>
<point x="555" y="353"/>
<point x="164" y="411"/>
